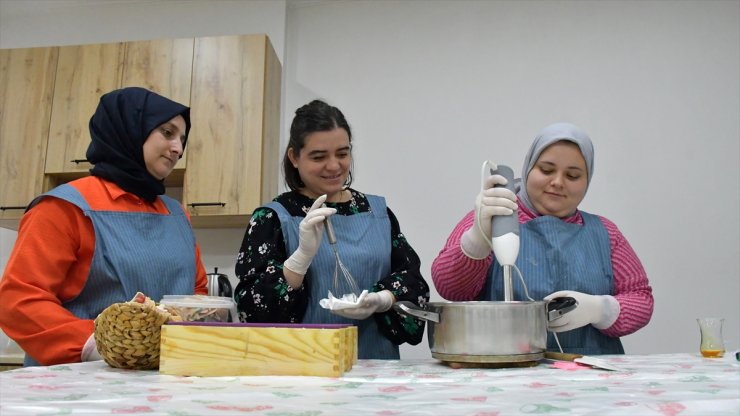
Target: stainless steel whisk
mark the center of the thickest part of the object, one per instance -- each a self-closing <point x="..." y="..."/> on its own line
<point x="348" y="280"/>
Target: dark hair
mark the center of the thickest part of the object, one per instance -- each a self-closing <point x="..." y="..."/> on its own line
<point x="312" y="117"/>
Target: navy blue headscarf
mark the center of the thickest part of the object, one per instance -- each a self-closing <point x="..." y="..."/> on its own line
<point x="120" y="126"/>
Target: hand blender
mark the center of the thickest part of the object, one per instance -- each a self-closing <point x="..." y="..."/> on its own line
<point x="505" y="235"/>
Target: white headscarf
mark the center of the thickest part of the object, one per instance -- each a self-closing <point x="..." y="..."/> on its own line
<point x="549" y="135"/>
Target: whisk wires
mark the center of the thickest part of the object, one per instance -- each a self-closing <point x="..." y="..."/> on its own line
<point x="345" y="281"/>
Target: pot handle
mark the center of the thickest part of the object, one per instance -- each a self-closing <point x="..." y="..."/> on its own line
<point x="408" y="308"/>
<point x="560" y="306"/>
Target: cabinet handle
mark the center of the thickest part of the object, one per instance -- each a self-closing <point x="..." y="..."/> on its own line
<point x="6" y="208"/>
<point x="78" y="161"/>
<point x="207" y="204"/>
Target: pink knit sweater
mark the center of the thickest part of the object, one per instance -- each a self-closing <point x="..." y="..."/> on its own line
<point x="631" y="287"/>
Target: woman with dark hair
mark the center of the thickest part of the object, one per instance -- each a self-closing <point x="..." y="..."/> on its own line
<point x="285" y="267"/>
<point x="101" y="239"/>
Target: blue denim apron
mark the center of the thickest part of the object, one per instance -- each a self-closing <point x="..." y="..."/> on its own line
<point x="364" y="245"/>
<point x="555" y="255"/>
<point x="134" y="252"/>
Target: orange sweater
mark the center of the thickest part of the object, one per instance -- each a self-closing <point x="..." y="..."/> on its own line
<point x="49" y="265"/>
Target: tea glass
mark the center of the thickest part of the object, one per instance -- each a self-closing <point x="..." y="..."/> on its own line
<point x="712" y="345"/>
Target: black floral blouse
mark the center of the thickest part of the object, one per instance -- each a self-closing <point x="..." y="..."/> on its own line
<point x="263" y="294"/>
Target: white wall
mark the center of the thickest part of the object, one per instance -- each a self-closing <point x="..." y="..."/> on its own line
<point x="433" y="88"/>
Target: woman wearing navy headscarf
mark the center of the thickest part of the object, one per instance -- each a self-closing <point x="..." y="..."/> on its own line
<point x="563" y="252"/>
<point x="101" y="239"/>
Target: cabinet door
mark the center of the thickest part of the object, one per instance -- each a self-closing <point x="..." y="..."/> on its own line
<point x="232" y="157"/>
<point x="84" y="73"/>
<point x="26" y="88"/>
<point x="164" y="66"/>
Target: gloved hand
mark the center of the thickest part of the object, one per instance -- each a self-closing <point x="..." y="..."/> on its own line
<point x="311" y="231"/>
<point x="601" y="311"/>
<point x="373" y="302"/>
<point x="476" y="241"/>
<point x="90" y="350"/>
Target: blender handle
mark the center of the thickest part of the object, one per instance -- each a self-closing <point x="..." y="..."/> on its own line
<point x="505" y="234"/>
<point x="504" y="224"/>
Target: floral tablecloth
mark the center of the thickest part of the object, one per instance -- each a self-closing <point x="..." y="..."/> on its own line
<point x="669" y="385"/>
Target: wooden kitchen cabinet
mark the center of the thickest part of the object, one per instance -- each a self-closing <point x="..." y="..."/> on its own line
<point x="26" y="88"/>
<point x="233" y="153"/>
<point x="164" y="66"/>
<point x="89" y="71"/>
<point x="231" y="83"/>
<point x="84" y="73"/>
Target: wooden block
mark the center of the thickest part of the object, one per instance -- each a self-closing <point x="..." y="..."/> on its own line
<point x="226" y="349"/>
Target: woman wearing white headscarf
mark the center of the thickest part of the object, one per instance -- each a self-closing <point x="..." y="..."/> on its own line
<point x="563" y="252"/>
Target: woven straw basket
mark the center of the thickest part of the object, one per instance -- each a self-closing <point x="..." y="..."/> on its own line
<point x="127" y="334"/>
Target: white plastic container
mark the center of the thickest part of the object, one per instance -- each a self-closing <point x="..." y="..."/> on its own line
<point x="201" y="308"/>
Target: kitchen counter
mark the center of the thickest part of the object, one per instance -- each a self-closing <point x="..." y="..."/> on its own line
<point x="10" y="361"/>
<point x="666" y="384"/>
<point x="11" y="355"/>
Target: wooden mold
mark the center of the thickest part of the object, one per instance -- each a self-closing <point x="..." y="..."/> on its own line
<point x="234" y="349"/>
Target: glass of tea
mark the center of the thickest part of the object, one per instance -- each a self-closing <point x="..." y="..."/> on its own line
<point x="712" y="345"/>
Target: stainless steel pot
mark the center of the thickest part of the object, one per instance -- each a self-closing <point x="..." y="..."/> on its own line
<point x="488" y="332"/>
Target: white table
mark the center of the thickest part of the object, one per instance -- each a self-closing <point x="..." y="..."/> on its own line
<point x="666" y="385"/>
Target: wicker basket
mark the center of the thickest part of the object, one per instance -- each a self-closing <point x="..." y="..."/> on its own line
<point x="127" y="334"/>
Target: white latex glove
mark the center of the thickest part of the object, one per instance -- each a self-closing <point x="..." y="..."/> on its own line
<point x="90" y="350"/>
<point x="373" y="302"/>
<point x="348" y="300"/>
<point x="310" y="232"/>
<point x="601" y="311"/>
<point x="476" y="241"/>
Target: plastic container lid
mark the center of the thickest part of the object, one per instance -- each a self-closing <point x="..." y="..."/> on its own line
<point x="191" y="307"/>
<point x="197" y="301"/>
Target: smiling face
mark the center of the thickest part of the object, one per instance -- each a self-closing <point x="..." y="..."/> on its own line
<point x="323" y="163"/>
<point x="163" y="147"/>
<point x="558" y="181"/>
